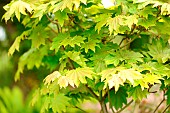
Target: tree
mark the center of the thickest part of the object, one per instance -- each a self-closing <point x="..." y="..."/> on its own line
<point x="106" y="53"/>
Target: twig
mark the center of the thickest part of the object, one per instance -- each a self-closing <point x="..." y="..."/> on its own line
<point x="125" y="107"/>
<point x="150" y="86"/>
<point x="103" y="107"/>
<point x="159" y="103"/>
<point x="166" y="109"/>
<point x="72" y="19"/>
<point x="127" y="43"/>
<point x="92" y="93"/>
<point x="53" y="30"/>
<point x="54" y="22"/>
<point x="80" y="109"/>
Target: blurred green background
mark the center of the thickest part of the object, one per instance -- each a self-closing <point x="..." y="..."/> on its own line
<point x="15" y="96"/>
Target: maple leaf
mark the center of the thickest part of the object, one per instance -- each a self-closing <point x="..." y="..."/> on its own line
<point x="61" y="16"/>
<point x="115" y="23"/>
<point x="39" y="11"/>
<point x="75" y="56"/>
<point x="130" y="74"/>
<point x="137" y="93"/>
<point x="102" y="20"/>
<point x="56" y="44"/>
<point x="16" y="44"/>
<point x="117" y="99"/>
<point x="130" y="20"/>
<point x="79" y="75"/>
<point x="64" y="81"/>
<point x="123" y="55"/>
<point x="51" y="77"/>
<point x="62" y="5"/>
<point x="72" y="41"/>
<point x="45" y="106"/>
<point x="16" y="8"/>
<point x="151" y="21"/>
<point x="91" y="44"/>
<point x="31" y="58"/>
<point x="159" y="51"/>
<point x="38" y="36"/>
<point x="146" y="11"/>
<point x="152" y="78"/>
<point x="59" y="103"/>
<point x="111" y="79"/>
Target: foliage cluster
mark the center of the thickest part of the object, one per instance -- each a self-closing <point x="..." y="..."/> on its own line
<point x="109" y="54"/>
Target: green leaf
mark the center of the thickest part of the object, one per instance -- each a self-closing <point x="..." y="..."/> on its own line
<point x="56" y="44"/>
<point x="159" y="51"/>
<point x="168" y="96"/>
<point x="102" y="20"/>
<point x="72" y="41"/>
<point x="79" y="75"/>
<point x="146" y="11"/>
<point x="61" y="16"/>
<point x="90" y="45"/>
<point x="46" y="103"/>
<point x="151" y="21"/>
<point x="59" y="103"/>
<point x="16" y="44"/>
<point x="31" y="58"/>
<point x="117" y="99"/>
<point x="75" y="56"/>
<point x="38" y="36"/>
<point x="123" y="55"/>
<point x="137" y="93"/>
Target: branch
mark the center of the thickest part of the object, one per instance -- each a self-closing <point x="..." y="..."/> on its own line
<point x="166" y="109"/>
<point x="125" y="107"/>
<point x="54" y="22"/>
<point x="80" y="109"/>
<point x="159" y="103"/>
<point x="127" y="43"/>
<point x="103" y="107"/>
<point x="72" y="19"/>
<point x="91" y="92"/>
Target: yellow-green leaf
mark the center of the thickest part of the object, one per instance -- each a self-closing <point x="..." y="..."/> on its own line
<point x="51" y="77"/>
<point x="79" y="75"/>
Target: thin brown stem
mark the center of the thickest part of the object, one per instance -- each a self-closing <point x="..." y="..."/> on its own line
<point x="166" y="109"/>
<point x="159" y="103"/>
<point x="91" y="92"/>
<point x="54" y="22"/>
<point x="53" y="30"/>
<point x="80" y="109"/>
<point x="125" y="107"/>
<point x="127" y="43"/>
<point x="103" y="107"/>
